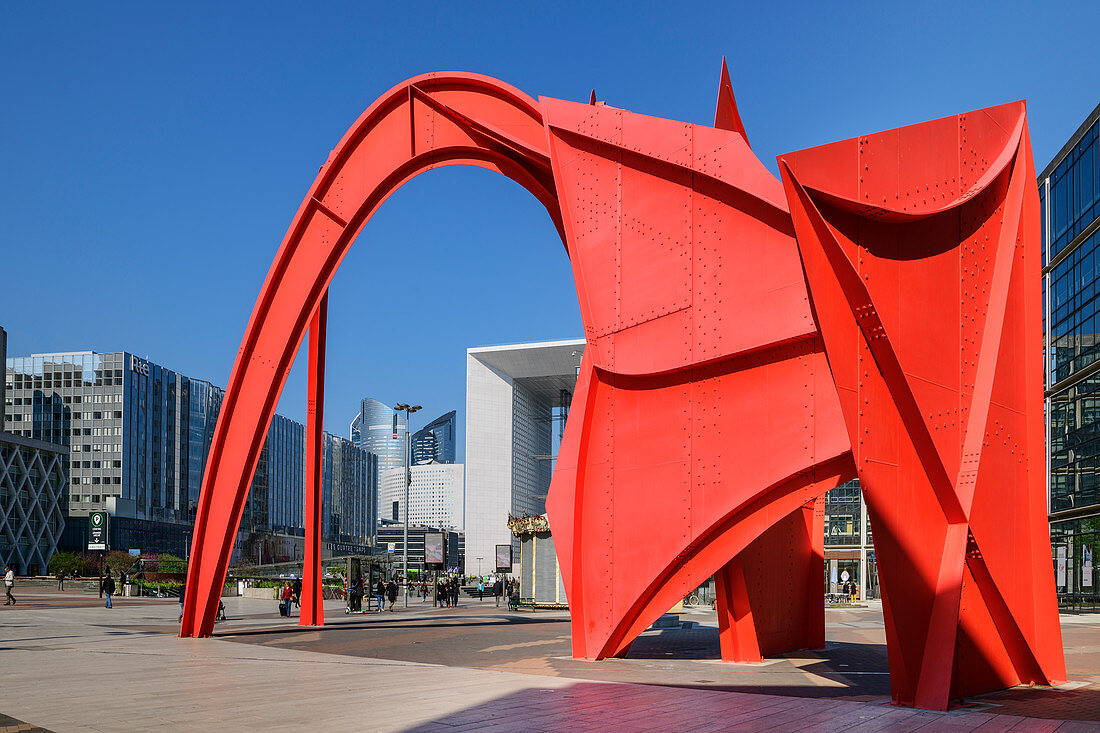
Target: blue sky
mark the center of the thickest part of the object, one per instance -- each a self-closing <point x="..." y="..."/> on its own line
<point x="152" y="155"/>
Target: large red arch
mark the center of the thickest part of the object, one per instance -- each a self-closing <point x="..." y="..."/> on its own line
<point x="445" y="119"/>
<point x="426" y="122"/>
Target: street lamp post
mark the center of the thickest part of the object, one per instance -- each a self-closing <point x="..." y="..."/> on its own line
<point x="408" y="410"/>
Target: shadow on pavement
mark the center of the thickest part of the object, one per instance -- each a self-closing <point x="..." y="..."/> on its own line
<point x="394" y="624"/>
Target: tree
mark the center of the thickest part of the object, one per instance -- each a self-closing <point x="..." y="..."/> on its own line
<point x="119" y="561"/>
<point x="65" y="563"/>
<point x="167" y="563"/>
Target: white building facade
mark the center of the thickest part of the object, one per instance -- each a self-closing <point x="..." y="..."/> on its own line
<point x="517" y="401"/>
<point x="435" y="495"/>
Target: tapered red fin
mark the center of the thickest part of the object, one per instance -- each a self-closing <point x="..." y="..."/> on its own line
<point x="726" y="116"/>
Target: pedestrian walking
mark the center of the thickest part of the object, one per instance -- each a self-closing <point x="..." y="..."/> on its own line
<point x="480" y="589"/>
<point x="183" y="592"/>
<point x="108" y="589"/>
<point x="298" y="592"/>
<point x="288" y="597"/>
<point x="380" y="593"/>
<point x="391" y="593"/>
<point x="60" y="580"/>
<point x="454" y="592"/>
<point x="498" y="590"/>
<point x="9" y="583"/>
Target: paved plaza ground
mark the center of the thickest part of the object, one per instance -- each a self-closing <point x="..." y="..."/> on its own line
<point x="68" y="664"/>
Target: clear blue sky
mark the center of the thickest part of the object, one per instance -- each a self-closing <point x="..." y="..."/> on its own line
<point x="153" y="155"/>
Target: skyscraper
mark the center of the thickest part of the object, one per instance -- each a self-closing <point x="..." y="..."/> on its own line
<point x="435" y="442"/>
<point x="380" y="434"/>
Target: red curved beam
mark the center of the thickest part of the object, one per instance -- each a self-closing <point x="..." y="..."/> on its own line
<point x="426" y="122"/>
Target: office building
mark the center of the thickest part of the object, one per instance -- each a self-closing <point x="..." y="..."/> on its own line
<point x="849" y="549"/>
<point x="33" y="495"/>
<point x="435" y="442"/>
<point x="138" y="435"/>
<point x="435" y="495"/>
<point x="381" y="431"/>
<point x="391" y="539"/>
<point x="1069" y="196"/>
<point x="517" y="402"/>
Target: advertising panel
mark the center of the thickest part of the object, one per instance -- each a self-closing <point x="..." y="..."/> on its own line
<point x="504" y="558"/>
<point x="434" y="551"/>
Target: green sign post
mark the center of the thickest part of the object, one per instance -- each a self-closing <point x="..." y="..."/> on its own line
<point x="97" y="530"/>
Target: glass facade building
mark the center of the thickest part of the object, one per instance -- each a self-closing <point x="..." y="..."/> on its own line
<point x="140" y="433"/>
<point x="849" y="547"/>
<point x="1069" y="193"/>
<point x="435" y="442"/>
<point x="375" y="431"/>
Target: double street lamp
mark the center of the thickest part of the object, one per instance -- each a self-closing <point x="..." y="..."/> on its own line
<point x="408" y="410"/>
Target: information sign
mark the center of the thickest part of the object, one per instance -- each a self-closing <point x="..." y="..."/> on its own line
<point x="1086" y="567"/>
<point x="97" y="530"/>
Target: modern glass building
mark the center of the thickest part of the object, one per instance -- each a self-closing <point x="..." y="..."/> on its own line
<point x="435" y="442"/>
<point x="139" y="433"/>
<point x="849" y="549"/>
<point x="34" y="478"/>
<point x="375" y="430"/>
<point x="1069" y="194"/>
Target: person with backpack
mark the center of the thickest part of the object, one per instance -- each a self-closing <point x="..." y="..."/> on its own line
<point x="108" y="589"/>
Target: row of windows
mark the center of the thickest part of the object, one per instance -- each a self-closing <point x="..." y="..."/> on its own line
<point x="1074" y="191"/>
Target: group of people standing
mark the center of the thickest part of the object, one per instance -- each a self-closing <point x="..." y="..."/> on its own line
<point x="446" y="593"/>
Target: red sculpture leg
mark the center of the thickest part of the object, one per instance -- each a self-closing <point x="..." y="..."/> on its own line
<point x="737" y="638"/>
<point x="427" y="122"/>
<point x="921" y="250"/>
<point x="313" y="607"/>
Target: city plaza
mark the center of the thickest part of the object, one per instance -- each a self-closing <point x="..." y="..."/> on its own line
<point x="870" y="373"/>
<point x="72" y="665"/>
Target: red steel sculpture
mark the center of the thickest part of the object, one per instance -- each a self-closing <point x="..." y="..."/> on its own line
<point x="921" y="251"/>
<point x="706" y="425"/>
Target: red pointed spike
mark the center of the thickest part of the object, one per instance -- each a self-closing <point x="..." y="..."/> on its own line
<point x="726" y="116"/>
<point x="592" y="99"/>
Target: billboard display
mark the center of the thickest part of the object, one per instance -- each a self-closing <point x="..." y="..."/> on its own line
<point x="434" y="552"/>
<point x="504" y="558"/>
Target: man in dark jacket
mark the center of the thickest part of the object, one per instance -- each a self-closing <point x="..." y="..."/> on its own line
<point x="108" y="589"/>
<point x="391" y="593"/>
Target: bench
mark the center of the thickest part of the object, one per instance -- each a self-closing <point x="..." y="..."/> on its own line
<point x="514" y="604"/>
